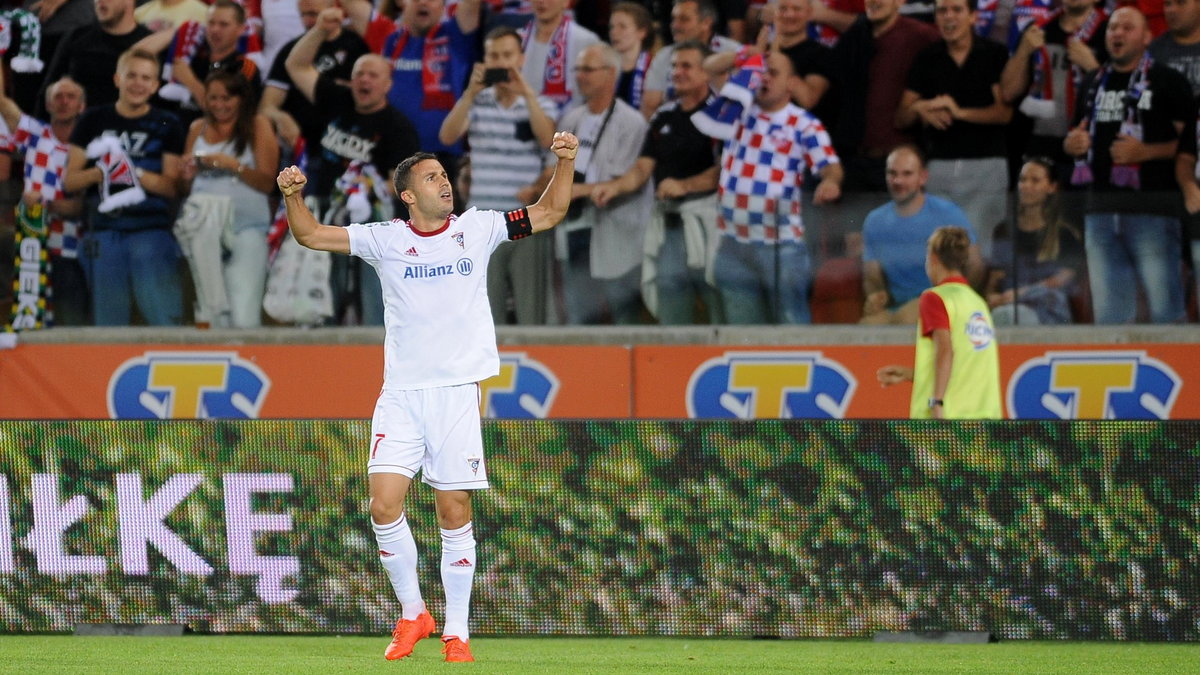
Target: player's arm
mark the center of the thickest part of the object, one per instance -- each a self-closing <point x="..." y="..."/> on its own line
<point x="551" y="207"/>
<point x="305" y="228"/>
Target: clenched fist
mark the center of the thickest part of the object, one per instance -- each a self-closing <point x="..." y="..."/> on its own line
<point x="291" y="180"/>
<point x="564" y="145"/>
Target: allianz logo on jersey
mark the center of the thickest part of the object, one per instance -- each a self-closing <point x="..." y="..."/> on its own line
<point x="524" y="389"/>
<point x="187" y="385"/>
<point x="1124" y="385"/>
<point x="464" y="266"/>
<point x="765" y="385"/>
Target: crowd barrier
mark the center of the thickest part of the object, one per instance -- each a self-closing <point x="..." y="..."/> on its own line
<point x="701" y="373"/>
<point x="789" y="528"/>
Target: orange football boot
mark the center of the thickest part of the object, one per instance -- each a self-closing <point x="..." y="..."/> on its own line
<point x="406" y="635"/>
<point x="457" y="651"/>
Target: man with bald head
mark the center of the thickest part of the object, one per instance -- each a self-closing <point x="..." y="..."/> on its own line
<point x="1124" y="136"/>
<point x="362" y="127"/>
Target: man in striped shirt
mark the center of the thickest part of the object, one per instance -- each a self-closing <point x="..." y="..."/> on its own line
<point x="508" y="124"/>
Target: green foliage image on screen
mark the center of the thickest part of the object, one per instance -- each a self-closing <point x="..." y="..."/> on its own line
<point x="790" y="528"/>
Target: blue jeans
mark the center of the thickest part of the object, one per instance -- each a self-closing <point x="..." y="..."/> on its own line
<point x="679" y="286"/>
<point x="139" y="266"/>
<point x="583" y="296"/>
<point x="763" y="283"/>
<point x="1123" y="249"/>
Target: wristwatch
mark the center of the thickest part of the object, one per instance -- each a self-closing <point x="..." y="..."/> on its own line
<point x="936" y="402"/>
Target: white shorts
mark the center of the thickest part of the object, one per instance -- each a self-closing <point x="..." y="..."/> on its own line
<point x="435" y="431"/>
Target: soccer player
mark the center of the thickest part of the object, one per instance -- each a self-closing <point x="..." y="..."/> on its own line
<point x="957" y="370"/>
<point x="439" y="343"/>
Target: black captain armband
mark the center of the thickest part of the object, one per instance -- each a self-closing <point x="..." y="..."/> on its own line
<point x="519" y="224"/>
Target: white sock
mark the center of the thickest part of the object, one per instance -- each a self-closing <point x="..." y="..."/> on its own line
<point x="398" y="553"/>
<point x="458" y="573"/>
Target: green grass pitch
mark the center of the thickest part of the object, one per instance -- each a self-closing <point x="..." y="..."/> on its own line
<point x="260" y="654"/>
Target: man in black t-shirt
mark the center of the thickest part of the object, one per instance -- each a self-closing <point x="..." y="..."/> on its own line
<point x="363" y="129"/>
<point x="953" y="91"/>
<point x="89" y="54"/>
<point x="1128" y="122"/>
<point x="132" y="253"/>
<point x="292" y="113"/>
<point x="683" y="162"/>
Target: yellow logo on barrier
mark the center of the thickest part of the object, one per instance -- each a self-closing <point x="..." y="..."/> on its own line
<point x="1093" y="385"/>
<point x="177" y="385"/>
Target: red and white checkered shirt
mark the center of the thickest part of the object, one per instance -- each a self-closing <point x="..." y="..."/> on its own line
<point x="762" y="172"/>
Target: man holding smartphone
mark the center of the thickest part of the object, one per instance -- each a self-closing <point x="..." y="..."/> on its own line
<point x="509" y="125"/>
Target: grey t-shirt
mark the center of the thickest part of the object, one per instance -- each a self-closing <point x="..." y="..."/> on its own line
<point x="1183" y="58"/>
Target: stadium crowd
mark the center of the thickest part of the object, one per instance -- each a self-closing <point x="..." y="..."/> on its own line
<point x="740" y="161"/>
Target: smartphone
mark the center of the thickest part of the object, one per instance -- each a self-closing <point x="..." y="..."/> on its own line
<point x="495" y="76"/>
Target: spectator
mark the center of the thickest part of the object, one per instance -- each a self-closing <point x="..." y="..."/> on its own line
<point x="231" y="157"/>
<point x="631" y="33"/>
<point x="293" y="115"/>
<point x="953" y="89"/>
<point x="831" y="18"/>
<point x="1034" y="264"/>
<point x="159" y="15"/>
<point x="1179" y="47"/>
<point x="601" y="248"/>
<point x="89" y="54"/>
<point x="690" y="20"/>
<point x="681" y="238"/>
<point x="57" y="20"/>
<point x="364" y="140"/>
<point x="431" y="59"/>
<point x="44" y="150"/>
<point x="762" y="265"/>
<point x="894" y="239"/>
<point x="811" y="61"/>
<point x="1046" y="71"/>
<point x="509" y="127"/>
<point x="553" y="43"/>
<point x="222" y="47"/>
<point x="872" y="60"/>
<point x="1126" y="130"/>
<point x="278" y="23"/>
<point x="1187" y="173"/>
<point x="130" y="249"/>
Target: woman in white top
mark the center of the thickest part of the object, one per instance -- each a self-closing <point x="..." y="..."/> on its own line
<point x="231" y="151"/>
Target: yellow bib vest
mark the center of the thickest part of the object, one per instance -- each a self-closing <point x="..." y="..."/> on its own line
<point x="974" y="388"/>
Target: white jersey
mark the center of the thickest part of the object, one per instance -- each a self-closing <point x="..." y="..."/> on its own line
<point x="438" y="322"/>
